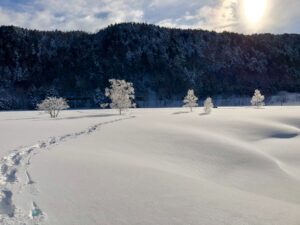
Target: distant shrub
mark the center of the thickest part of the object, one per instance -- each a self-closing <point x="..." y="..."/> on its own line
<point x="258" y="99"/>
<point x="53" y="106"/>
<point x="208" y="105"/>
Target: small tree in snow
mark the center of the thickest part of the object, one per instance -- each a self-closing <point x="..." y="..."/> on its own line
<point x="190" y="100"/>
<point x="257" y="99"/>
<point x="53" y="106"/>
<point x="208" y="105"/>
<point x="121" y="94"/>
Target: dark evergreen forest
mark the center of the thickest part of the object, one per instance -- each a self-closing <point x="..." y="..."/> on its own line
<point x="162" y="63"/>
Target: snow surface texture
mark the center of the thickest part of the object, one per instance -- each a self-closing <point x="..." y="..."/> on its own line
<point x="15" y="178"/>
<point x="155" y="167"/>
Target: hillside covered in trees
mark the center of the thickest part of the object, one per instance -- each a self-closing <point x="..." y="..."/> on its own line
<point x="162" y="63"/>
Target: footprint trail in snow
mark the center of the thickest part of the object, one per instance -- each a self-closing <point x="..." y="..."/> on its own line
<point x="15" y="179"/>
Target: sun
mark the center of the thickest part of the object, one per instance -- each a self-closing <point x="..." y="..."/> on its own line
<point x="254" y="10"/>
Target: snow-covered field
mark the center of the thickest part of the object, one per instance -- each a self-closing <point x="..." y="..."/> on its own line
<point x="237" y="166"/>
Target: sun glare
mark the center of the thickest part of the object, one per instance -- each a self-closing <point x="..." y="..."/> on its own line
<point x="254" y="10"/>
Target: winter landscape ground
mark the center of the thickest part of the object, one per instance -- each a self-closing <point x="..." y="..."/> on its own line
<point x="236" y="166"/>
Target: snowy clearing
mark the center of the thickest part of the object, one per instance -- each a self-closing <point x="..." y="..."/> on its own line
<point x="236" y="166"/>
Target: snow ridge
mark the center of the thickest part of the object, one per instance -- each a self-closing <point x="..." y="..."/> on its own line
<point x="15" y="178"/>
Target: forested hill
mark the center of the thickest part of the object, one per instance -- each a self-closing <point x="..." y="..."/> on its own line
<point x="162" y="63"/>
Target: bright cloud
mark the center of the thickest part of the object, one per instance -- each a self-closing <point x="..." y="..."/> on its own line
<point x="92" y="15"/>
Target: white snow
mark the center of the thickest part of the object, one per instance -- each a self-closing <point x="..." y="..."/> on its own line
<point x="152" y="167"/>
<point x="24" y="128"/>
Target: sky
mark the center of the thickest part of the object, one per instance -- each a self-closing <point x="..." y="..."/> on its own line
<point x="242" y="16"/>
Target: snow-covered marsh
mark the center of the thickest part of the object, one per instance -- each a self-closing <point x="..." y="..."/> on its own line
<point x="152" y="167"/>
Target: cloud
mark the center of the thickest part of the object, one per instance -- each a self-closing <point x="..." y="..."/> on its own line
<point x="283" y="16"/>
<point x="228" y="15"/>
<point x="92" y="15"/>
<point x="88" y="15"/>
<point x="218" y="16"/>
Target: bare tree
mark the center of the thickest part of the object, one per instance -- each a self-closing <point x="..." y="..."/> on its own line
<point x="121" y="94"/>
<point x="190" y="100"/>
<point x="53" y="106"/>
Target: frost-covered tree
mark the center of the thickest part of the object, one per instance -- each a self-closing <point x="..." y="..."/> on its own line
<point x="258" y="99"/>
<point x="121" y="94"/>
<point x="208" y="105"/>
<point x="53" y="106"/>
<point x="190" y="100"/>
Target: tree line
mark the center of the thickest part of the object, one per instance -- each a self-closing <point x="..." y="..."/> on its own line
<point x="162" y="63"/>
<point x="121" y="94"/>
